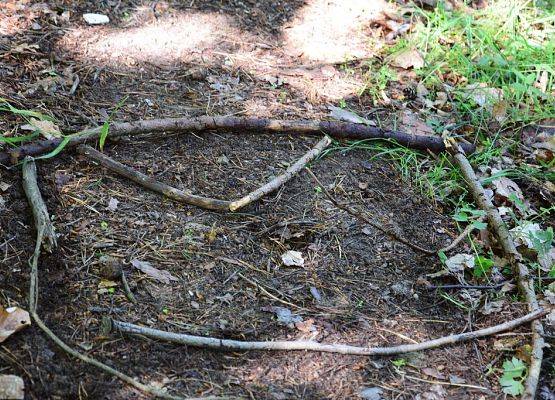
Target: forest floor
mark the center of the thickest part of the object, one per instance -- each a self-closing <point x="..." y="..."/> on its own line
<point x="278" y="59"/>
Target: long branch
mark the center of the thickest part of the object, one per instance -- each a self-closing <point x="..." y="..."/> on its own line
<point x="339" y="130"/>
<point x="524" y="279"/>
<point x="226" y="344"/>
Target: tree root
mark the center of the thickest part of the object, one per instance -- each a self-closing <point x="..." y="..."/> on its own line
<point x="204" y="202"/>
<point x="339" y="130"/>
<point x="226" y="344"/>
<point x="360" y="216"/>
<point x="524" y="280"/>
<point x="45" y="232"/>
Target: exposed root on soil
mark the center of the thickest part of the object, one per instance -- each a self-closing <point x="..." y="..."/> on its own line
<point x="45" y="232"/>
<point x="279" y="345"/>
<point x="339" y="130"/>
<point x="200" y="201"/>
<point x="359" y="215"/>
<point x="524" y="279"/>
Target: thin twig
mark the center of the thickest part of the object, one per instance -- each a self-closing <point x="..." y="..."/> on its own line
<point x="461" y="237"/>
<point x="226" y="344"/>
<point x="366" y="220"/>
<point x="524" y="280"/>
<point x="151" y="183"/>
<point x="280" y="180"/>
<point x="338" y="130"/>
<point x="42" y="220"/>
<point x="127" y="289"/>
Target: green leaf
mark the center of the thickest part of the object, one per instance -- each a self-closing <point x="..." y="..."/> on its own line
<point x="461" y="217"/>
<point x="479" y="225"/>
<point x="514" y="372"/>
<point x="57" y="150"/>
<point x="6" y="106"/>
<point x="104" y="133"/>
<point x="510" y="386"/>
<point x="481" y="266"/>
<point x="18" y="139"/>
<point x="442" y="256"/>
<point x="401" y="362"/>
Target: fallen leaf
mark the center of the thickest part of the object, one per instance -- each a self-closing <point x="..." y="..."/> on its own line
<point x="96" y="19"/>
<point x="341" y="114"/>
<point x="522" y="233"/>
<point x="372" y="393"/>
<point x="504" y="188"/>
<point x="483" y="95"/>
<point x="4" y="186"/>
<point x="499" y="111"/>
<point x="48" y="129"/>
<point x="306" y="326"/>
<point x="159" y="275"/>
<point x="459" y="262"/>
<point x="12" y="319"/>
<point x="11" y="387"/>
<point x="436" y="392"/>
<point x="412" y="123"/>
<point x="293" y="258"/>
<point x="434" y="373"/>
<point x="409" y="58"/>
<point x="113" y="204"/>
<point x="284" y="315"/>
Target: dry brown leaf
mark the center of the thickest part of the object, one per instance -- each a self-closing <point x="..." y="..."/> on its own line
<point x="159" y="275"/>
<point x="48" y="129"/>
<point x="409" y="58"/>
<point x="12" y="319"/>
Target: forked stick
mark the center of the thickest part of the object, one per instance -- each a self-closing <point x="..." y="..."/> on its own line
<point x="44" y="229"/>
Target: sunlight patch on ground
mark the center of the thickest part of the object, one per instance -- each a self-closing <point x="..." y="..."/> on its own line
<point x="182" y="37"/>
<point x="332" y="30"/>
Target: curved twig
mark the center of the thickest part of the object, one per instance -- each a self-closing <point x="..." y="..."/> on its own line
<point x="524" y="280"/>
<point x="42" y="223"/>
<point x="339" y="130"/>
<point x="364" y="219"/>
<point x="226" y="344"/>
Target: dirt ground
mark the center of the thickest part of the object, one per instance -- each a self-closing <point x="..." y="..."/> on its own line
<point x="234" y="58"/>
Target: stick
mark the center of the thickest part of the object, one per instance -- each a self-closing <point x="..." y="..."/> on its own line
<point x="459" y="238"/>
<point x="152" y="184"/>
<point x="42" y="223"/>
<point x="283" y="178"/>
<point x="338" y="130"/>
<point x="524" y="280"/>
<point x="364" y="219"/>
<point x="226" y="344"/>
<point x="204" y="202"/>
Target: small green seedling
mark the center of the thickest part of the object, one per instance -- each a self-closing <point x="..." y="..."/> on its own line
<point x="482" y="265"/>
<point x="400" y="362"/>
<point x="514" y="373"/>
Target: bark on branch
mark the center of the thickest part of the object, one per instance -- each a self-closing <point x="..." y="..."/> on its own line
<point x="226" y="344"/>
<point x="339" y="130"/>
<point x="200" y="201"/>
<point x="524" y="279"/>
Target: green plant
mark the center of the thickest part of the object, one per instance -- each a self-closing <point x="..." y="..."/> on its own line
<point x="106" y="126"/>
<point x="400" y="362"/>
<point x="514" y="373"/>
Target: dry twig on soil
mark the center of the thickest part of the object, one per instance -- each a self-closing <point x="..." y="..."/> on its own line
<point x="151" y="183"/>
<point x="45" y="231"/>
<point x="205" y="202"/>
<point x="339" y="130"/>
<point x="280" y="180"/>
<point x="359" y="215"/>
<point x="524" y="280"/>
<point x="226" y="344"/>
